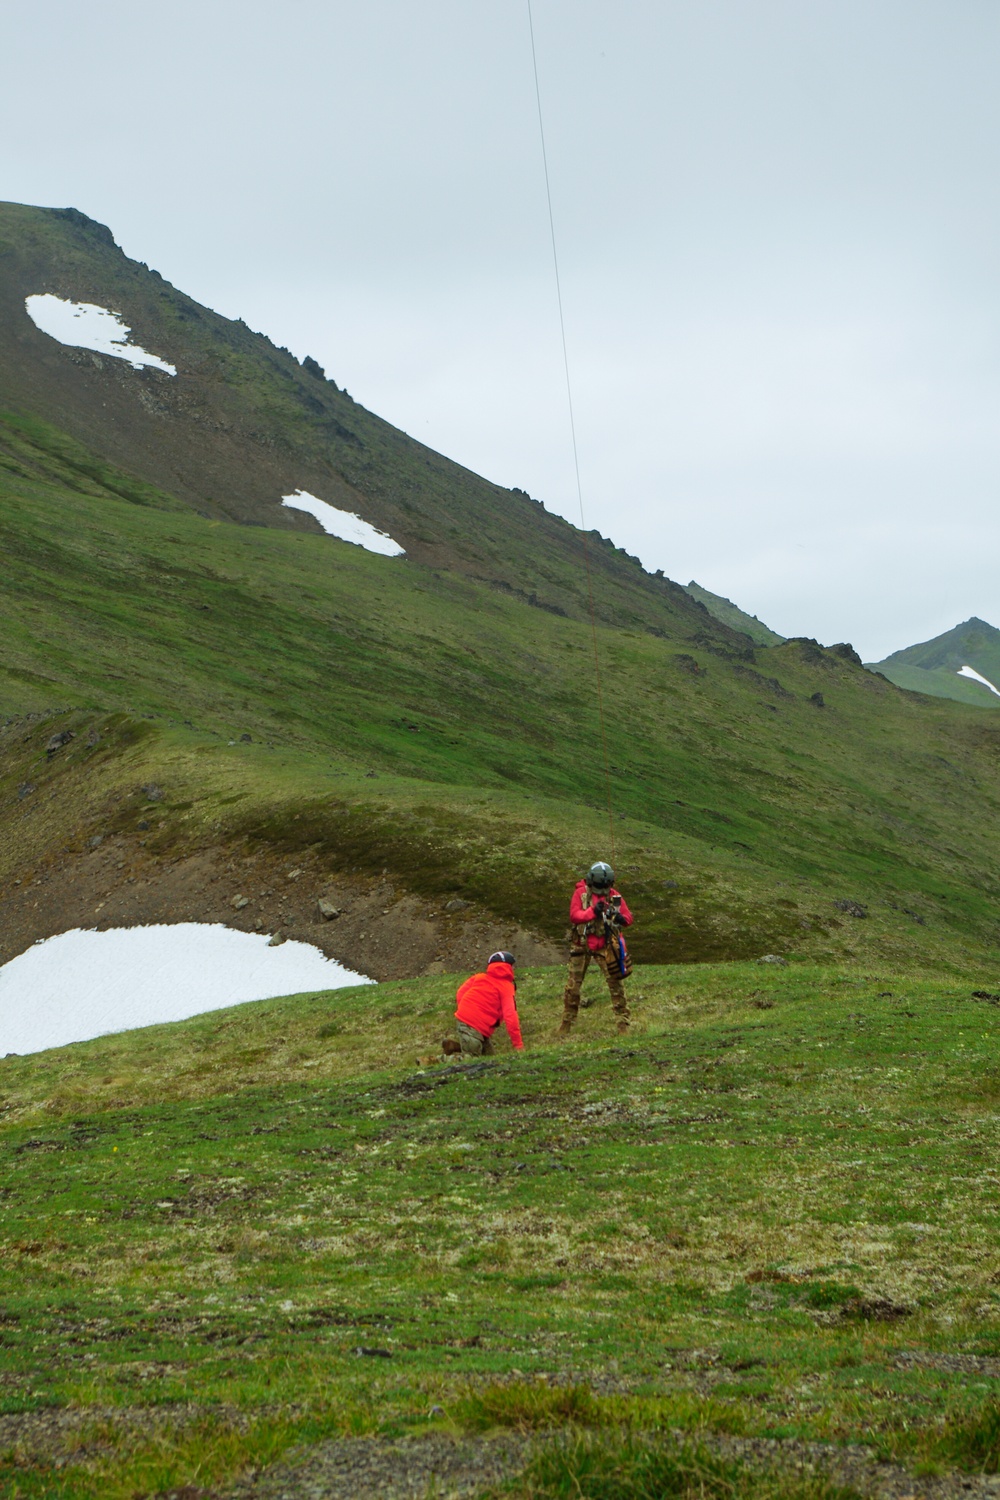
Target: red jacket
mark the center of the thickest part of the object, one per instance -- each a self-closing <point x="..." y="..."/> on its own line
<point x="580" y="915"/>
<point x="486" y="999"/>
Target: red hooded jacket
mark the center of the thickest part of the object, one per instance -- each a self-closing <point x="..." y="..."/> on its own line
<point x="487" y="999"/>
<point x="580" y="915"/>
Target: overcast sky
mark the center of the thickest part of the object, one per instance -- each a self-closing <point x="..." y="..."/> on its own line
<point x="778" y="225"/>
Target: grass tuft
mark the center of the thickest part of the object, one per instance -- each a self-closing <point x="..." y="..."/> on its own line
<point x="616" y="1466"/>
<point x="531" y="1408"/>
<point x="971" y="1440"/>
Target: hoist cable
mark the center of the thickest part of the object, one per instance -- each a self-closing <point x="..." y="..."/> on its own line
<point x="572" y="429"/>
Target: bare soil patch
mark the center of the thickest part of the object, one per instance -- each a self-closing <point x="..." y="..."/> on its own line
<point x="381" y="930"/>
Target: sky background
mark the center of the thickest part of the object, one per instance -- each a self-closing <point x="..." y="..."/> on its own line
<point x="778" y="226"/>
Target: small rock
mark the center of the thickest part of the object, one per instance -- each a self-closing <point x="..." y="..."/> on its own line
<point x="93" y="738"/>
<point x="875" y="1310"/>
<point x="58" y="740"/>
<point x="24" y="790"/>
<point x="327" y="910"/>
<point x="773" y="958"/>
<point x="817" y="698"/>
<point x="246" y="739"/>
<point x="96" y="841"/>
<point x="852" y="908"/>
<point x="294" y="874"/>
<point x="238" y="902"/>
<point x="142" y="825"/>
<point x="152" y="792"/>
<point x="277" y="940"/>
<point x="456" y="905"/>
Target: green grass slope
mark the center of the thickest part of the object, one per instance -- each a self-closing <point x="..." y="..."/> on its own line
<point x="730" y="614"/>
<point x="428" y="723"/>
<point x="243" y="423"/>
<point x="768" y="1212"/>
<point x="436" y="715"/>
<point x="933" y="666"/>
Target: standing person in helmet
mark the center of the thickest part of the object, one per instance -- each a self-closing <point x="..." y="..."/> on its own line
<point x="483" y="1002"/>
<point x="595" y="909"/>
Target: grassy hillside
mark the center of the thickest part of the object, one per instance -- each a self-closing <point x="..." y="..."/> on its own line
<point x="433" y="717"/>
<point x="730" y="614"/>
<point x="426" y="723"/>
<point x="769" y="1213"/>
<point x="933" y="666"/>
<point x="243" y="423"/>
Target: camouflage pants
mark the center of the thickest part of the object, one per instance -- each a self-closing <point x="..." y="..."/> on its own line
<point x="579" y="962"/>
<point x="472" y="1042"/>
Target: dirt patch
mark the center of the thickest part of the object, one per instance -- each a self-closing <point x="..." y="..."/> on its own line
<point x="964" y="1364"/>
<point x="854" y="1467"/>
<point x="373" y="1469"/>
<point x="76" y="1434"/>
<point x="381" y="930"/>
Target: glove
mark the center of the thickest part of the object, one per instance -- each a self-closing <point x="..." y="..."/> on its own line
<point x="619" y="920"/>
<point x="598" y="910"/>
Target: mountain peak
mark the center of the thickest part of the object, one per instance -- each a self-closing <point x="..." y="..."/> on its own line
<point x="90" y="226"/>
<point x="936" y="666"/>
<point x="242" y="423"/>
<point x="728" y="613"/>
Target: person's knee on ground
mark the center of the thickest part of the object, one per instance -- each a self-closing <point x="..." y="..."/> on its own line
<point x="472" y="1042"/>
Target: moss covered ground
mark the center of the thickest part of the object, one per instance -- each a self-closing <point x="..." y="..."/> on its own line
<point x="770" y="1209"/>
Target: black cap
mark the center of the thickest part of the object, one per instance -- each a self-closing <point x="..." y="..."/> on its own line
<point x="501" y="958"/>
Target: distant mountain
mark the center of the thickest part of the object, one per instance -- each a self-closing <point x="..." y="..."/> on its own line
<point x="943" y="666"/>
<point x="730" y="614"/>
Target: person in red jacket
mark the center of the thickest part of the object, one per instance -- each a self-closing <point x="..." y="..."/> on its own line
<point x="595" y="910"/>
<point x="483" y="1002"/>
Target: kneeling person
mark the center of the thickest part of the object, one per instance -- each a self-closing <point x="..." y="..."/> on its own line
<point x="483" y="1002"/>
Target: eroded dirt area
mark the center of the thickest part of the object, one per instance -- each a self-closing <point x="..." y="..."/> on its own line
<point x="379" y="928"/>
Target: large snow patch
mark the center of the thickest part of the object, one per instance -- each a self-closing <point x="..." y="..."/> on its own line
<point x="83" y="984"/>
<point x="344" y="523"/>
<point x="977" y="677"/>
<point x="84" y="325"/>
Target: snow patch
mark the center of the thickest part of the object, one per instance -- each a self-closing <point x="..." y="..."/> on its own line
<point x="977" y="677"/>
<point x="84" y="984"/>
<point x="344" y="524"/>
<point x="84" y="325"/>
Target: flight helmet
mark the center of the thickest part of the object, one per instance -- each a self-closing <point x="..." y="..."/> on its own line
<point x="600" y="877"/>
<point x="502" y="957"/>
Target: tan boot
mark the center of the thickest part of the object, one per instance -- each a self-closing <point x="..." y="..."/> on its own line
<point x="622" y="1028"/>
<point x="566" y="1026"/>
